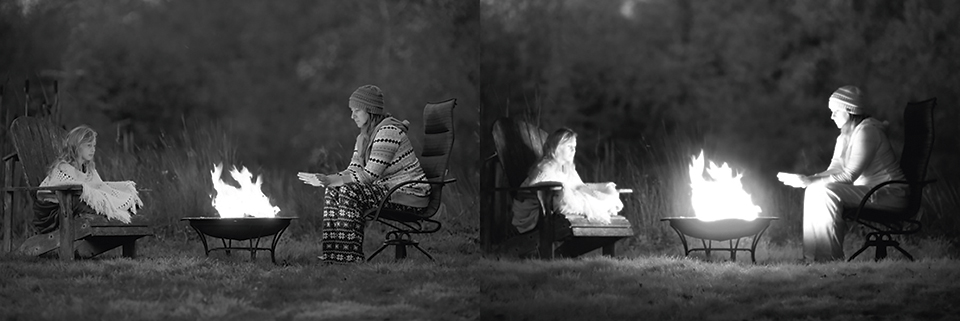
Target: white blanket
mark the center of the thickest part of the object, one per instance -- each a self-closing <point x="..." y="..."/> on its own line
<point x="115" y="200"/>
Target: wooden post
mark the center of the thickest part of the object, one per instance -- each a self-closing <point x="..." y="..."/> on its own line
<point x="66" y="225"/>
<point x="26" y="91"/>
<point x="7" y="206"/>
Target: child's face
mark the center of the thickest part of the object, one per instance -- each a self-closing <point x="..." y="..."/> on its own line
<point x="566" y="151"/>
<point x="87" y="150"/>
<point x="359" y="116"/>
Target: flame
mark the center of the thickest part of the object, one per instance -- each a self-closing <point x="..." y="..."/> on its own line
<point x="248" y="200"/>
<point x="720" y="197"/>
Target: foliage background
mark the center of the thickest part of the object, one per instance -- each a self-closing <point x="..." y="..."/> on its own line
<point x="648" y="83"/>
<point x="175" y="86"/>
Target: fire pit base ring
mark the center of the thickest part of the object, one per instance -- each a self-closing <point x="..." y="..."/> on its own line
<point x="240" y="229"/>
<point x="720" y="230"/>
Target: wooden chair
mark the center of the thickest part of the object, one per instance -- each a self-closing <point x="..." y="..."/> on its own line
<point x="438" y="142"/>
<point x="917" y="146"/>
<point x="518" y="147"/>
<point x="36" y="143"/>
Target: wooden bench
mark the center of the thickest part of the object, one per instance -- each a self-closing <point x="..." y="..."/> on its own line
<point x="519" y="146"/>
<point x="35" y="141"/>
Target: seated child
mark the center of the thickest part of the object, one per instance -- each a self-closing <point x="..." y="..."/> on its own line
<point x="597" y="201"/>
<point x="75" y="165"/>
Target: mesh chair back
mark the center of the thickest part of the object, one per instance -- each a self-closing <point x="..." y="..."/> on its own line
<point x="917" y="146"/>
<point x="519" y="146"/>
<point x="438" y="133"/>
<point x="38" y="142"/>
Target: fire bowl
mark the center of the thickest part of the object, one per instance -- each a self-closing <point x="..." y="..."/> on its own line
<point x="720" y="230"/>
<point x="240" y="228"/>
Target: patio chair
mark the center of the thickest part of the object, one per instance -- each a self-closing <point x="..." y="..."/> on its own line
<point x="885" y="225"/>
<point x="36" y="142"/>
<point x="438" y="130"/>
<point x="518" y="147"/>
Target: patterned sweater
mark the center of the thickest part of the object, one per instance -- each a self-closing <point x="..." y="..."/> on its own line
<point x="391" y="162"/>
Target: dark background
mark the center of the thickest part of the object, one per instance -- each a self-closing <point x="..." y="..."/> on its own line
<point x="276" y="75"/>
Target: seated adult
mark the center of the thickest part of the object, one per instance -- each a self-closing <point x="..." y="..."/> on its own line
<point x="862" y="159"/>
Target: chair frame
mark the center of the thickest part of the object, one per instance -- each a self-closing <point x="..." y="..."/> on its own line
<point x="405" y="225"/>
<point x="887" y="224"/>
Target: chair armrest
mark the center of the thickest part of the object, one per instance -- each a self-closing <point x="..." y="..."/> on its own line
<point x="625" y="190"/>
<point x="10" y="156"/>
<point x="70" y="187"/>
<point x="543" y="186"/>
<point x="386" y="197"/>
<point x="866" y="197"/>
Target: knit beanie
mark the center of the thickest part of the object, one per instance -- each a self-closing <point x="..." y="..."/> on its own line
<point x="849" y="96"/>
<point x="369" y="98"/>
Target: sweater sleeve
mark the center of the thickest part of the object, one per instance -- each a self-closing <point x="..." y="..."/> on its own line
<point x="836" y="162"/>
<point x="355" y="163"/>
<point x="862" y="148"/>
<point x="386" y="142"/>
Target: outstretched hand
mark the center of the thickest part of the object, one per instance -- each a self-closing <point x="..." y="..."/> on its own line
<point x="319" y="180"/>
<point x="793" y="180"/>
<point x="312" y="179"/>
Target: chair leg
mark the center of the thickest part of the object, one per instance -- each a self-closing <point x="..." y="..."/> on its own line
<point x="863" y="248"/>
<point x="130" y="249"/>
<point x="380" y="249"/>
<point x="903" y="251"/>
<point x="400" y="251"/>
<point x="417" y="246"/>
<point x="610" y="249"/>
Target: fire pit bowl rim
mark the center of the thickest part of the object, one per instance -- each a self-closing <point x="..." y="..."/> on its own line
<point x="719" y="230"/>
<point x="238" y="228"/>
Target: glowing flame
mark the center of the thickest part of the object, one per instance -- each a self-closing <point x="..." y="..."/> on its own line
<point x="722" y="195"/>
<point x="248" y="200"/>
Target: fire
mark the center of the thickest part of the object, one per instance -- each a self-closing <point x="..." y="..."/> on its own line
<point x="722" y="195"/>
<point x="248" y="200"/>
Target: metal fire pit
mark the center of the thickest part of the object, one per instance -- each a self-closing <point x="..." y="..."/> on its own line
<point x="240" y="229"/>
<point x="720" y="230"/>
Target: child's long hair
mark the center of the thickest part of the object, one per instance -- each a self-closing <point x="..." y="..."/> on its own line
<point x="557" y="138"/>
<point x="70" y="149"/>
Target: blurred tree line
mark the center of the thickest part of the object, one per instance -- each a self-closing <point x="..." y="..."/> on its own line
<point x="277" y="74"/>
<point x="752" y="78"/>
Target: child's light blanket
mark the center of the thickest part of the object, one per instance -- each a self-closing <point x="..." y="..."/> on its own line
<point x="116" y="200"/>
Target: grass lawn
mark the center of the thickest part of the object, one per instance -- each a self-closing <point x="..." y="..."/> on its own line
<point x="173" y="280"/>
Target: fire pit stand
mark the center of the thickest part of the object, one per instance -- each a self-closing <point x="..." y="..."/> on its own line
<point x="240" y="229"/>
<point x="720" y="230"/>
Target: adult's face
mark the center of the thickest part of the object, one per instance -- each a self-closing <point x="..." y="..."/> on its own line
<point x="839" y="113"/>
<point x="359" y="116"/>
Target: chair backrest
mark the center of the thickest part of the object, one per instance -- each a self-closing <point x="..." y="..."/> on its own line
<point x="437" y="143"/>
<point x="519" y="145"/>
<point x="37" y="142"/>
<point x="917" y="145"/>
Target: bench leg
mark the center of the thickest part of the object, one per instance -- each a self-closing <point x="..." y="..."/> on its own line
<point x="130" y="249"/>
<point x="610" y="249"/>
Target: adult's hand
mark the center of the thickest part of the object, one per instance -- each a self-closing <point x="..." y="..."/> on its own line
<point x="312" y="179"/>
<point x="793" y="180"/>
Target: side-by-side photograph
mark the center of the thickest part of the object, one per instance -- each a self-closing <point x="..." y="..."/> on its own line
<point x="479" y="160"/>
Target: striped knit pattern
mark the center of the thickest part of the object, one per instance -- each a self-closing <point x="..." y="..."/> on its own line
<point x="392" y="160"/>
<point x="850" y="97"/>
<point x="343" y="206"/>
